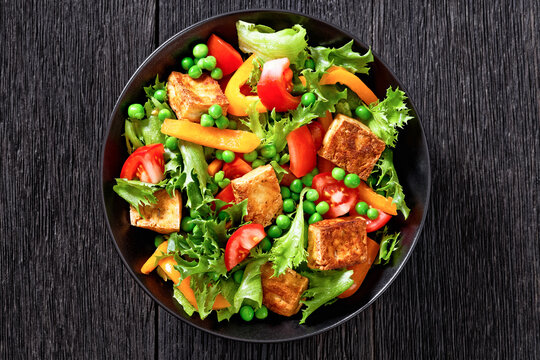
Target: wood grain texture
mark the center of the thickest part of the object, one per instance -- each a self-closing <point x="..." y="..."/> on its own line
<point x="471" y="288"/>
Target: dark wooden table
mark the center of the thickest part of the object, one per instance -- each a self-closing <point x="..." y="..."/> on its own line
<point x="470" y="290"/>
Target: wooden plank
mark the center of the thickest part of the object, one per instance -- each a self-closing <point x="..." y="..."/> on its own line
<point x="65" y="293"/>
<point x="472" y="288"/>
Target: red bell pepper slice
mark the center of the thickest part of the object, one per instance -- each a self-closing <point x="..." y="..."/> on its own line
<point x="302" y="151"/>
<point x="274" y="85"/>
<point x="227" y="58"/>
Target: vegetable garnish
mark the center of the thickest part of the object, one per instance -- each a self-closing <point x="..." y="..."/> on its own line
<point x="261" y="133"/>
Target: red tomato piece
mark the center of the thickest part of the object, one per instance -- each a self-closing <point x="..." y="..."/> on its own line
<point x="237" y="168"/>
<point x="226" y="195"/>
<point x="146" y="163"/>
<point x="302" y="151"/>
<point x="227" y="58"/>
<point x="340" y="198"/>
<point x="317" y="133"/>
<point x="324" y="165"/>
<point x="241" y="242"/>
<point x="376" y="224"/>
<point x="274" y="85"/>
<point x="289" y="177"/>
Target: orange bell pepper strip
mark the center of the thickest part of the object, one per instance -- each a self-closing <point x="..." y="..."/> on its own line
<point x="326" y="120"/>
<point x="238" y="102"/>
<point x="360" y="270"/>
<point x="337" y="74"/>
<point x="223" y="139"/>
<point x="365" y="193"/>
<point x="214" y="167"/>
<point x="152" y="262"/>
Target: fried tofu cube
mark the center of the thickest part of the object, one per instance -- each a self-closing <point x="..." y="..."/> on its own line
<point x="261" y="187"/>
<point x="190" y="98"/>
<point x="163" y="217"/>
<point x="282" y="294"/>
<point x="351" y="145"/>
<point x="337" y="243"/>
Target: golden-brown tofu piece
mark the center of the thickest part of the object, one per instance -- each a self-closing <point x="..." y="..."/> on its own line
<point x="163" y="217"/>
<point x="337" y="243"/>
<point x="282" y="294"/>
<point x="351" y="145"/>
<point x="190" y="98"/>
<point x="261" y="187"/>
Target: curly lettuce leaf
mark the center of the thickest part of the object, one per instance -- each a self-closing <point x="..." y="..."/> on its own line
<point x="388" y="182"/>
<point x="136" y="192"/>
<point x="328" y="96"/>
<point x="389" y="115"/>
<point x="205" y="291"/>
<point x="289" y="250"/>
<point x="196" y="175"/>
<point x="150" y="90"/>
<point x="255" y="74"/>
<point x="182" y="300"/>
<point x="389" y="245"/>
<point x="344" y="56"/>
<point x="268" y="44"/>
<point x="324" y="286"/>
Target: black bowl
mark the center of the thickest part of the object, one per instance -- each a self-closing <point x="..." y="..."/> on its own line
<point x="136" y="245"/>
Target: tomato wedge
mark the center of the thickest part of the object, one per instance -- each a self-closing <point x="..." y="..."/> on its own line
<point x="241" y="242"/>
<point x="340" y="198"/>
<point x="226" y="195"/>
<point x="146" y="163"/>
<point x="237" y="168"/>
<point x="302" y="151"/>
<point x="317" y="133"/>
<point x="376" y="224"/>
<point x="227" y="58"/>
<point x="274" y="85"/>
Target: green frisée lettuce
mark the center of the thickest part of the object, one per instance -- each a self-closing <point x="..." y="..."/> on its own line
<point x="328" y="96"/>
<point x="389" y="245"/>
<point x="344" y="56"/>
<point x="324" y="286"/>
<point x="389" y="115"/>
<point x="289" y="251"/>
<point x="388" y="182"/>
<point x="136" y="192"/>
<point x="269" y="44"/>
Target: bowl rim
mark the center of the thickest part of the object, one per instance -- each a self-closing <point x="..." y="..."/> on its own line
<point x="134" y="275"/>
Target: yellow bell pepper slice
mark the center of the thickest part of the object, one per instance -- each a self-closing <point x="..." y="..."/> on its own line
<point x="238" y="102"/>
<point x="337" y="74"/>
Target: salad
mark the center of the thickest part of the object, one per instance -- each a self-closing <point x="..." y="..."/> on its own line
<point x="266" y="173"/>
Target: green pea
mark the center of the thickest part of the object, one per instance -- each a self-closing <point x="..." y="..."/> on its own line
<point x="200" y="50"/>
<point x="257" y="163"/>
<point x="164" y="114"/>
<point x="314" y="172"/>
<point x="158" y="240"/>
<point x="210" y="63"/>
<point x="219" y="154"/>
<point x="251" y="156"/>
<point x="220" y="175"/>
<point x="352" y="181"/>
<point x="207" y="120"/>
<point x="222" y="122"/>
<point x="222" y="184"/>
<point x="246" y="313"/>
<point x="217" y="74"/>
<point x="171" y="143"/>
<point x="187" y="224"/>
<point x="312" y="195"/>
<point x="187" y="62"/>
<point x="372" y="213"/>
<point x="295" y="196"/>
<point x="362" y="112"/>
<point x="195" y="72"/>
<point x="237" y="276"/>
<point x="222" y="216"/>
<point x="308" y="99"/>
<point x="160" y="95"/>
<point x="309" y="207"/>
<point x="268" y="151"/>
<point x="266" y="244"/>
<point x="289" y="205"/>
<point x="309" y="64"/>
<point x="274" y="231"/>
<point x="338" y="173"/>
<point x="322" y="207"/>
<point x="284" y="159"/>
<point x="136" y="111"/>
<point x="307" y="180"/>
<point x="361" y="208"/>
<point x="261" y="313"/>
<point x="297" y="186"/>
<point x="285" y="192"/>
<point x="213" y="276"/>
<point x="215" y="111"/>
<point x="314" y="218"/>
<point x="283" y="222"/>
<point x="233" y="125"/>
<point x="228" y="156"/>
<point x="200" y="63"/>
